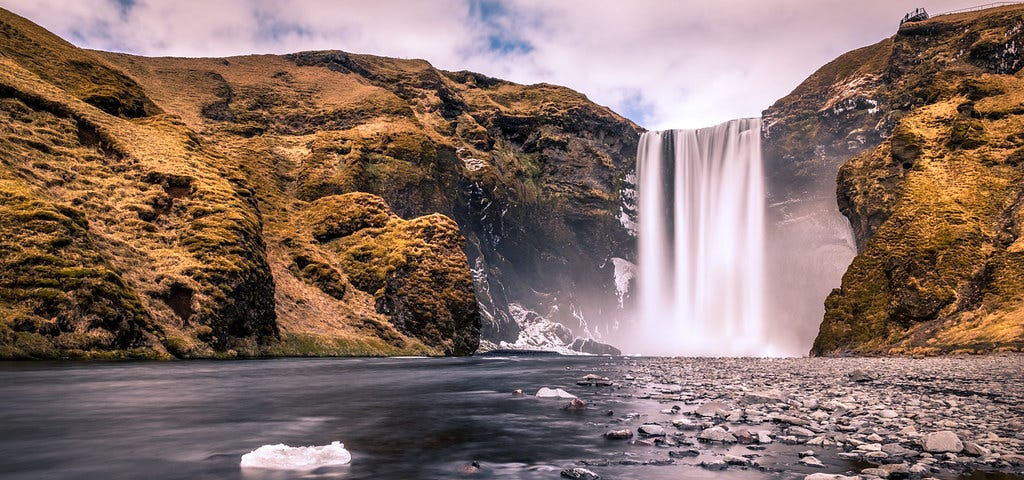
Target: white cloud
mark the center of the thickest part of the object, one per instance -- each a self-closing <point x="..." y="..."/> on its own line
<point x="662" y="63"/>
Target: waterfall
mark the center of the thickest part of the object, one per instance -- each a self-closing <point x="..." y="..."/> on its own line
<point x="702" y="242"/>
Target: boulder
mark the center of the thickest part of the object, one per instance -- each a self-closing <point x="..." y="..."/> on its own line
<point x="942" y="442"/>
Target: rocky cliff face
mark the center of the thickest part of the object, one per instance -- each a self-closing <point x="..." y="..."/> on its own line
<point x="293" y="205"/>
<point x="927" y="128"/>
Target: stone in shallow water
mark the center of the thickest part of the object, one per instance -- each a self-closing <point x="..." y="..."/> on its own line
<point x="716" y="434"/>
<point x="651" y="430"/>
<point x="942" y="442"/>
<point x="711" y="409"/>
<point x="618" y="434"/>
<point x="580" y="474"/>
<point x="811" y="461"/>
<point x="714" y="464"/>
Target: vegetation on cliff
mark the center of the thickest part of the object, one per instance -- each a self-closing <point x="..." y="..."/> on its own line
<point x="163" y="207"/>
<point x="931" y="124"/>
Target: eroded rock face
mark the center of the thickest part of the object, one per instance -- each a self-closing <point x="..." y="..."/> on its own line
<point x="921" y="125"/>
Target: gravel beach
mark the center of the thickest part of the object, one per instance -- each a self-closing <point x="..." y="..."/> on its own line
<point x="814" y="418"/>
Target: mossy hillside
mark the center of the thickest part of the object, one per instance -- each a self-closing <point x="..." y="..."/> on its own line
<point x="76" y="71"/>
<point x="185" y="240"/>
<point x="415" y="270"/>
<point x="938" y="272"/>
<point x="530" y="173"/>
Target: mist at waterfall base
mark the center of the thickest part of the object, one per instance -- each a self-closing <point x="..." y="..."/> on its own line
<point x="712" y="254"/>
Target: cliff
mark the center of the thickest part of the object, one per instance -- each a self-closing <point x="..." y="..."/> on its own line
<point x="924" y="132"/>
<point x="319" y="203"/>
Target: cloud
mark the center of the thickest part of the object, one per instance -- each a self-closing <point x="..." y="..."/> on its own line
<point x="663" y="64"/>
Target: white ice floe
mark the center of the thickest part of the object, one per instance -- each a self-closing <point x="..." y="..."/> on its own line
<point x="546" y="392"/>
<point x="283" y="457"/>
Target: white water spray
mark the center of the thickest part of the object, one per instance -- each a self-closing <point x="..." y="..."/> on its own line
<point x="702" y="242"/>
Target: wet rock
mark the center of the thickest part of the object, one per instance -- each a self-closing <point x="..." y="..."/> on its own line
<point x="714" y="464"/>
<point x="651" y="430"/>
<point x="736" y="460"/>
<point x="782" y="418"/>
<point x="592" y="380"/>
<point x="941" y="442"/>
<point x="806" y="453"/>
<point x="860" y="376"/>
<point x="684" y="453"/>
<point x="764" y="396"/>
<point x="580" y="474"/>
<point x="716" y="434"/>
<point x="973" y="449"/>
<point x="618" y="434"/>
<point x="575" y="405"/>
<point x="686" y="424"/>
<point x="800" y="432"/>
<point x="712" y="409"/>
<point x="811" y="461"/>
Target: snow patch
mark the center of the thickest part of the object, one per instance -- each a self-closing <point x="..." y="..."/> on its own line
<point x="283" y="457"/>
<point x="625" y="272"/>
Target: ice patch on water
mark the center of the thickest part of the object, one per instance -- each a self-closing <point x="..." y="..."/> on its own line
<point x="283" y="457"/>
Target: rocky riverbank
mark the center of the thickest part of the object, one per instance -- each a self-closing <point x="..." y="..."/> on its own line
<point x="818" y="418"/>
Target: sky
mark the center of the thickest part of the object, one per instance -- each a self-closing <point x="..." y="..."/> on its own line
<point x="661" y="63"/>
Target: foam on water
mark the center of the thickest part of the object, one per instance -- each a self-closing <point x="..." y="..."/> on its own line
<point x="283" y="457"/>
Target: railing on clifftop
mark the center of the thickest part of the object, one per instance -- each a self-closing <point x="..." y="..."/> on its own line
<point x="977" y="7"/>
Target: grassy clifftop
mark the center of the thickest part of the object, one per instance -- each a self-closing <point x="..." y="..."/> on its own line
<point x="929" y="131"/>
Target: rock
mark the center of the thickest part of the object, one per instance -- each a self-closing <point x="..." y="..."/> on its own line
<point x="975" y="450"/>
<point x="651" y="430"/>
<point x="763" y="396"/>
<point x="888" y="413"/>
<point x="593" y="347"/>
<point x="575" y="405"/>
<point x="806" y="453"/>
<point x="579" y="474"/>
<point x="712" y="409"/>
<point x="811" y="461"/>
<point x="546" y="392"/>
<point x="942" y="442"/>
<point x="782" y="418"/>
<point x="736" y="460"/>
<point x="714" y="464"/>
<point x="671" y="411"/>
<point x="870" y="447"/>
<point x="686" y="424"/>
<point x="800" y="432"/>
<point x="618" y="434"/>
<point x="716" y="434"/>
<point x="592" y="380"/>
<point x="684" y="453"/>
<point x="763" y="437"/>
<point x="830" y="476"/>
<point x="895" y="470"/>
<point x="860" y="376"/>
<point x="517" y="392"/>
<point x="875" y="472"/>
